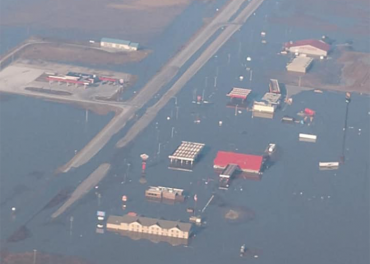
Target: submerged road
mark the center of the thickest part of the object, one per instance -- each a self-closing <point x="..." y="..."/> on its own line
<point x="84" y="188"/>
<point x="166" y="74"/>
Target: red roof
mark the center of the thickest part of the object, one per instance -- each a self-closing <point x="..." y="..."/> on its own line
<point x="244" y="161"/>
<point x="312" y="42"/>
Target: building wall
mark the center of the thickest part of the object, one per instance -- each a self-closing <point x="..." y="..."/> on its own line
<point x="309" y="50"/>
<point x="168" y="195"/>
<point x="154" y="230"/>
<point x="263" y="108"/>
<point x="115" y="46"/>
<point x="153" y="194"/>
<point x="295" y="68"/>
<point x="250" y="171"/>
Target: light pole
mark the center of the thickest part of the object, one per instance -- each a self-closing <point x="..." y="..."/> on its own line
<point x="127" y="170"/>
<point x="70" y="225"/>
<point x="159" y="148"/>
<point x="99" y="199"/>
<point x="348" y="100"/>
<point x="175" y="99"/>
<point x="87" y="116"/>
<point x="173" y="129"/>
<point x="236" y="110"/>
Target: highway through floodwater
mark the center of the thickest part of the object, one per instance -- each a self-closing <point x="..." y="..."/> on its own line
<point x="211" y="50"/>
<point x="166" y="74"/>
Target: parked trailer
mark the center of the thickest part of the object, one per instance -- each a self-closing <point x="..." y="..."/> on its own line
<point x="307" y="137"/>
<point x="288" y="119"/>
<point x="108" y="79"/>
<point x="329" y="164"/>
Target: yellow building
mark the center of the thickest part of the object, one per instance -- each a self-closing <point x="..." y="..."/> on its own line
<point x="149" y="226"/>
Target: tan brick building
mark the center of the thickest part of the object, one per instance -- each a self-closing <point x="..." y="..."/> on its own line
<point x="149" y="226"/>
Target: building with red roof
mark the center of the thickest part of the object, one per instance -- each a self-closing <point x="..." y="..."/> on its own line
<point x="309" y="46"/>
<point x="245" y="162"/>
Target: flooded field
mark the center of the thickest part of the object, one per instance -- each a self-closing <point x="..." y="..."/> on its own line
<point x="294" y="214"/>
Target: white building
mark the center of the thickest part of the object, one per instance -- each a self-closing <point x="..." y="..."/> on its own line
<point x="118" y="44"/>
<point x="299" y="64"/>
<point x="309" y="47"/>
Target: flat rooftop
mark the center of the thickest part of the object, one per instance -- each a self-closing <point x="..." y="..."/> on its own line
<point x="239" y="93"/>
<point x="272" y="98"/>
<point x="244" y="161"/>
<point x="187" y="151"/>
<point x="165" y="189"/>
<point x="300" y="62"/>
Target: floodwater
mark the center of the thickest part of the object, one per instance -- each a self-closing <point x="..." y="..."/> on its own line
<point x="299" y="214"/>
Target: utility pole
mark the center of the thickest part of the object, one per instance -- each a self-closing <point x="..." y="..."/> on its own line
<point x="127" y="171"/>
<point x="177" y="112"/>
<point x="157" y="134"/>
<point x="236" y="110"/>
<point x="299" y="81"/>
